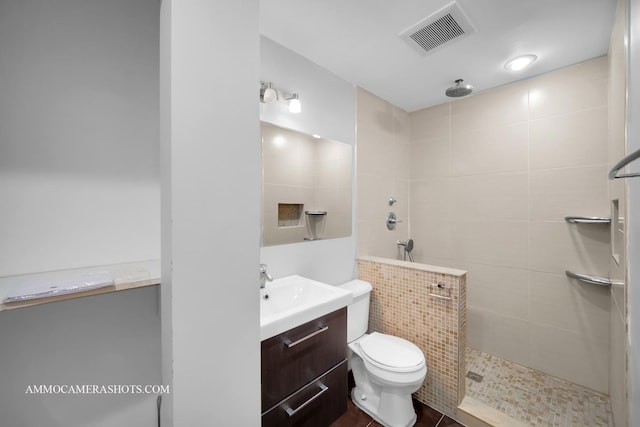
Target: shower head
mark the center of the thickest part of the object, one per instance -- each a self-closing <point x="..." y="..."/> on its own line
<point x="459" y="89"/>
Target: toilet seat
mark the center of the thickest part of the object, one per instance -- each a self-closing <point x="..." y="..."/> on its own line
<point x="391" y="353"/>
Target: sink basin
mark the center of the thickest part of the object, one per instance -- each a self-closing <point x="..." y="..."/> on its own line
<point x="293" y="300"/>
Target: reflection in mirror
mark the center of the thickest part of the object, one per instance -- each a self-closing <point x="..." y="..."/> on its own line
<point x="306" y="187"/>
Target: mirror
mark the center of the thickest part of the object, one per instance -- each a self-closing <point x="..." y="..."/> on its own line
<point x="306" y="187"/>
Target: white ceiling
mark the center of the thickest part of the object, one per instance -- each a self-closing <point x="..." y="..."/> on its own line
<point x="359" y="41"/>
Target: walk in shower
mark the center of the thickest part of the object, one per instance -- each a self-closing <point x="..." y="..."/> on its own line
<point x="490" y="181"/>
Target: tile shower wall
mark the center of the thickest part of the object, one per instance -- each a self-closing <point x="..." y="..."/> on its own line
<point x="401" y="306"/>
<point x="382" y="152"/>
<point x="491" y="178"/>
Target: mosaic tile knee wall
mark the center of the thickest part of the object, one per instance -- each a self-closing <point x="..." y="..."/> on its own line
<point x="401" y="306"/>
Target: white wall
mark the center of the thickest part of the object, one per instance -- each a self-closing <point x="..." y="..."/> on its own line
<point x="79" y="129"/>
<point x="79" y="185"/>
<point x="328" y="109"/>
<point x="210" y="212"/>
<point x="105" y="339"/>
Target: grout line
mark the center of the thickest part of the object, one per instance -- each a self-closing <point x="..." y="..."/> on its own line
<point x="439" y="421"/>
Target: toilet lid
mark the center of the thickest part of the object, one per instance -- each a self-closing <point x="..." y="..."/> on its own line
<point x="392" y="352"/>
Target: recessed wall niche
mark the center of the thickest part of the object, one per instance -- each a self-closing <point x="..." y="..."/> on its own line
<point x="289" y="214"/>
<point x="302" y="173"/>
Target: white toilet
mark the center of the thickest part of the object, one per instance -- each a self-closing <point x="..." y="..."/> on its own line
<point x="386" y="369"/>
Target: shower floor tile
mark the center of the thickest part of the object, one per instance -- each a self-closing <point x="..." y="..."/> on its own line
<point x="533" y="397"/>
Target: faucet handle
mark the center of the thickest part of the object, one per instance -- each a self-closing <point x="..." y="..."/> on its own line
<point x="264" y="274"/>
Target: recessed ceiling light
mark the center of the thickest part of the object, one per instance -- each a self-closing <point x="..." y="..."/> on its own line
<point x="315" y="135"/>
<point x="520" y="62"/>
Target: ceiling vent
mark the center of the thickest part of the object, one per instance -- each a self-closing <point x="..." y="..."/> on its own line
<point x="438" y="29"/>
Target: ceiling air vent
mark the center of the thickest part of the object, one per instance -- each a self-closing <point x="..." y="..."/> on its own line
<point x="438" y="29"/>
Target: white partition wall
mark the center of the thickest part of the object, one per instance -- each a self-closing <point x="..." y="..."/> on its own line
<point x="210" y="212"/>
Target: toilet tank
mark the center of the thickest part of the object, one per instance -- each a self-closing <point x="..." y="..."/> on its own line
<point x="358" y="310"/>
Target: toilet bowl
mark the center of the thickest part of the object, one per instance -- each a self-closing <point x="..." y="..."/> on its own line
<point x="386" y="369"/>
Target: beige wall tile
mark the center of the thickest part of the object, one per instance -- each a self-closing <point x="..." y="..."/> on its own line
<point x="432" y="260"/>
<point x="490" y="197"/>
<point x="373" y="196"/>
<point x="568" y="304"/>
<point x="574" y="88"/>
<point x="567" y="355"/>
<point x="574" y="139"/>
<point x="490" y="150"/>
<point x="558" y="246"/>
<point x="402" y="127"/>
<point x="373" y="113"/>
<point x="429" y="158"/>
<point x="430" y="122"/>
<point x="500" y="243"/>
<point x="432" y="238"/>
<point x="557" y="193"/>
<point x="374" y="239"/>
<point x="376" y="153"/>
<point x="500" y="290"/>
<point x="382" y="171"/>
<point x="494" y="108"/>
<point x="430" y="199"/>
<point x="503" y="336"/>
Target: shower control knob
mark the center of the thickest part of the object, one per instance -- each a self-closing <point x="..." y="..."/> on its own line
<point x="392" y="221"/>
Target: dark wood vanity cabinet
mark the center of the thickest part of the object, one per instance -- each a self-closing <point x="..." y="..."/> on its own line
<point x="304" y="373"/>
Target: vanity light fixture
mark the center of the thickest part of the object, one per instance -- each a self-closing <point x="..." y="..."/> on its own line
<point x="520" y="62"/>
<point x="294" y="103"/>
<point x="270" y="94"/>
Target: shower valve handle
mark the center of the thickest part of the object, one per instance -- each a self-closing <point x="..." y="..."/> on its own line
<point x="392" y="221"/>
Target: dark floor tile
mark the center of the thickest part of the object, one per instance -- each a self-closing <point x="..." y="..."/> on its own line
<point x="354" y="417"/>
<point x="448" y="422"/>
<point x="426" y="416"/>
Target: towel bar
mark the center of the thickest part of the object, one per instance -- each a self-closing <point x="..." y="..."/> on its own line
<point x="600" y="281"/>
<point x="613" y="173"/>
<point x="587" y="220"/>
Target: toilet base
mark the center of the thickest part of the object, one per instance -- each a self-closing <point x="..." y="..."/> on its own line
<point x="371" y="405"/>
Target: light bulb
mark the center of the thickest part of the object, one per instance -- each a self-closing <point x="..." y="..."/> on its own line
<point x="294" y="104"/>
<point x="270" y="95"/>
<point x="517" y="64"/>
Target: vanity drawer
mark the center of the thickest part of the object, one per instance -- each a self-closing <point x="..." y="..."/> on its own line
<point x="317" y="405"/>
<point x="296" y="357"/>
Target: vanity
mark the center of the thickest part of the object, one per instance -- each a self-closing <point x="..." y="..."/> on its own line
<point x="306" y="198"/>
<point x="304" y="352"/>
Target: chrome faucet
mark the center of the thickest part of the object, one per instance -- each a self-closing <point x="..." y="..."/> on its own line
<point x="408" y="247"/>
<point x="264" y="276"/>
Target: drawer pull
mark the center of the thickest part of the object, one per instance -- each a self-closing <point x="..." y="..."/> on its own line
<point x="303" y="339"/>
<point x="291" y="412"/>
